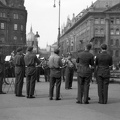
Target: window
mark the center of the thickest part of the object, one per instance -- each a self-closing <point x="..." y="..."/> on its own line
<point x="2" y="14"/>
<point x="102" y="31"/>
<point x="21" y="27"/>
<point x="15" y="16"/>
<point x="112" y="20"/>
<point x="116" y="53"/>
<point x="96" y="21"/>
<point x="15" y="27"/>
<point x="102" y="21"/>
<point x="112" y="32"/>
<point x="15" y="38"/>
<point x="2" y="26"/>
<point x="117" y="42"/>
<point x="96" y="31"/>
<point x="111" y="42"/>
<point x="117" y="31"/>
<point x="117" y="20"/>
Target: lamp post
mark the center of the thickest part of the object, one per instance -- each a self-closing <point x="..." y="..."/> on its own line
<point x="37" y="36"/>
<point x="58" y="41"/>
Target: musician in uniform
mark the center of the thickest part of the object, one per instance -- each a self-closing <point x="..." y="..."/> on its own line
<point x="55" y="65"/>
<point x="85" y="63"/>
<point x="70" y="67"/>
<point x="30" y="62"/>
<point x="1" y="71"/>
<point x="103" y="63"/>
<point x="19" y="72"/>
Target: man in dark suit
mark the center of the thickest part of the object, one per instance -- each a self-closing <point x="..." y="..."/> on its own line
<point x="103" y="63"/>
<point x="19" y="72"/>
<point x="1" y="71"/>
<point x="30" y="62"/>
<point x="55" y="65"/>
<point x="85" y="62"/>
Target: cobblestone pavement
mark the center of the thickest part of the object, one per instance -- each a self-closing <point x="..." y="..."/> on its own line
<point x="41" y="108"/>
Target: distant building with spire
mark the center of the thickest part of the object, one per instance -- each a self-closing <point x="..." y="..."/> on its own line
<point x="32" y="40"/>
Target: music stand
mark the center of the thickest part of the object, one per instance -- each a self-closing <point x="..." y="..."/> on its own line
<point x="10" y="81"/>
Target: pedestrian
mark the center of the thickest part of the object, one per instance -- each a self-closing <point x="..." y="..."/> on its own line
<point x="85" y="63"/>
<point x="30" y="62"/>
<point x="38" y="71"/>
<point x="45" y="67"/>
<point x="55" y="65"/>
<point x="103" y="63"/>
<point x="70" y="67"/>
<point x="2" y="62"/>
<point x="19" y="72"/>
<point x="64" y="62"/>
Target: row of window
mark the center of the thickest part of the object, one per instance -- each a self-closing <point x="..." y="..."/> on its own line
<point x="115" y="42"/>
<point x="115" y="53"/>
<point x="15" y="38"/>
<point x="15" y="27"/>
<point x="15" y="15"/>
<point x="102" y="21"/>
<point x="113" y="31"/>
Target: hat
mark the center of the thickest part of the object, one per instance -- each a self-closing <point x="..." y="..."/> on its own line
<point x="30" y="48"/>
<point x="19" y="49"/>
<point x="104" y="46"/>
<point x="56" y="51"/>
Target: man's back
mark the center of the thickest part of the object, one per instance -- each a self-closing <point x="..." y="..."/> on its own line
<point x="55" y="63"/>
<point x="84" y="60"/>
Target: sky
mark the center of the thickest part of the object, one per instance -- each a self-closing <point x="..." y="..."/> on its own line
<point x="43" y="17"/>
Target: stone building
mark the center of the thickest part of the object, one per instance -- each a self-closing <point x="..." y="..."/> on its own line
<point x="13" y="17"/>
<point x="99" y="23"/>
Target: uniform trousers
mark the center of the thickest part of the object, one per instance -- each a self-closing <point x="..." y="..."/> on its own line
<point x="19" y="77"/>
<point x="83" y="88"/>
<point x="53" y="81"/>
<point x="103" y="83"/>
<point x="30" y="85"/>
<point x="69" y="77"/>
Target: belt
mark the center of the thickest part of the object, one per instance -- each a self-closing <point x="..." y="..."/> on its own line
<point x="55" y="68"/>
<point x="19" y="66"/>
<point x="31" y="66"/>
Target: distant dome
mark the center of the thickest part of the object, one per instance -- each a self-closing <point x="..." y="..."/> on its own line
<point x="30" y="36"/>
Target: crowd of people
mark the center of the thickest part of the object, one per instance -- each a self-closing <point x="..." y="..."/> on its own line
<point x="58" y="68"/>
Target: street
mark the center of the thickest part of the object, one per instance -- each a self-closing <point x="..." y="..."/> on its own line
<point x="41" y="108"/>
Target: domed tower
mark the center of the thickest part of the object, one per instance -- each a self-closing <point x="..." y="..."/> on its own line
<point x="30" y="38"/>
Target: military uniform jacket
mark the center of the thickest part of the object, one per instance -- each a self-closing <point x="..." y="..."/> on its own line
<point x="85" y="60"/>
<point x="19" y="63"/>
<point x="103" y="61"/>
<point x="30" y="62"/>
<point x="54" y="64"/>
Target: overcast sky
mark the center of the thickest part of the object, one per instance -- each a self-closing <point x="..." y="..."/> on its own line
<point x="44" y="17"/>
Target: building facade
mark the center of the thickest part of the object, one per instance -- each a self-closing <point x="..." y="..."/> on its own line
<point x="13" y="17"/>
<point x="97" y="24"/>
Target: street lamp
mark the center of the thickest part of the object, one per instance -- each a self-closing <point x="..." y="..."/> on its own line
<point x="58" y="22"/>
<point x="37" y="36"/>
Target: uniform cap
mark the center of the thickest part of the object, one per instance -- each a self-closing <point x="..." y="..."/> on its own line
<point x="30" y="48"/>
<point x="56" y="51"/>
<point x="104" y="46"/>
<point x="19" y="49"/>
